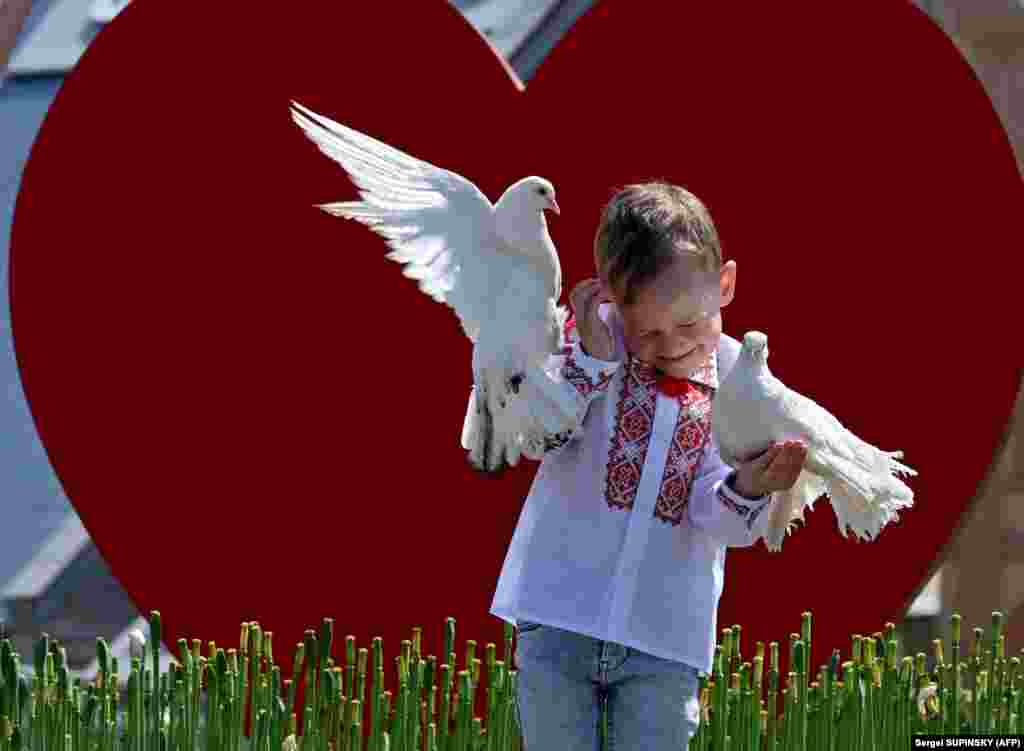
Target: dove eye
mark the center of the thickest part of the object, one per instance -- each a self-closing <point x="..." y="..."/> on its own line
<point x="542" y="191"/>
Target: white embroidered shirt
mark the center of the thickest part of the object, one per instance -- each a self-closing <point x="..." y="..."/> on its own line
<point x="624" y="531"/>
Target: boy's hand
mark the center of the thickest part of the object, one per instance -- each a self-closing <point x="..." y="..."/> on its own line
<point x="585" y="299"/>
<point x="774" y="470"/>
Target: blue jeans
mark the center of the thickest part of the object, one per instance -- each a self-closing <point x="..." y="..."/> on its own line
<point x="652" y="703"/>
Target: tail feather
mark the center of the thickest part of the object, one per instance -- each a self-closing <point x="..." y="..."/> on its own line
<point x="505" y="443"/>
<point x="865" y="494"/>
<point x="485" y="431"/>
<point x="866" y="519"/>
<point x="868" y="472"/>
<point x="508" y="418"/>
<point x="788" y="508"/>
<point x="478" y="433"/>
<point x="862" y="484"/>
<point x="492" y="448"/>
<point x="896" y="467"/>
<point x="471" y="425"/>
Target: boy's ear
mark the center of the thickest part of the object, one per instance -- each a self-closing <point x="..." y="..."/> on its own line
<point x="727" y="283"/>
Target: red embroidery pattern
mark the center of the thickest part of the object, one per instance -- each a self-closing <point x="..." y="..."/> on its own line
<point x="634" y="423"/>
<point x="634" y="420"/>
<point x="749" y="513"/>
<point x="693" y="430"/>
<point x="578" y="377"/>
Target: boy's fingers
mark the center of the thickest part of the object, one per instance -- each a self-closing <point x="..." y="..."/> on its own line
<point x="765" y="461"/>
<point x="584" y="284"/>
<point x="790" y="469"/>
<point x="791" y="451"/>
<point x="779" y="458"/>
<point x="780" y="464"/>
<point x="796" y="454"/>
<point x="575" y="292"/>
<point x="775" y="462"/>
<point x="582" y="293"/>
<point x="788" y="463"/>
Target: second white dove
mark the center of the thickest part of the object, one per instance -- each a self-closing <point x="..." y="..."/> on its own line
<point x="753" y="409"/>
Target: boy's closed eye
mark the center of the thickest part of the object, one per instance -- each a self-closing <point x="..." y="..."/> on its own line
<point x="681" y="327"/>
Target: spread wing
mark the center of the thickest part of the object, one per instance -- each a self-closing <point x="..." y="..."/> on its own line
<point x="438" y="224"/>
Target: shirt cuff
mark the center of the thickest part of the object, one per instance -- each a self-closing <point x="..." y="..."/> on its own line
<point x="589" y="373"/>
<point x="727" y="489"/>
<point x="747" y="509"/>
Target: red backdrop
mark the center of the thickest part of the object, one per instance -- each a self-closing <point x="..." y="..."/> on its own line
<point x="257" y="416"/>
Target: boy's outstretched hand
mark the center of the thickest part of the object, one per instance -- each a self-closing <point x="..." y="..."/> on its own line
<point x="774" y="470"/>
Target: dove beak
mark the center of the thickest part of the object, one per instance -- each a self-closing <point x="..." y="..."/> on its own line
<point x="553" y="205"/>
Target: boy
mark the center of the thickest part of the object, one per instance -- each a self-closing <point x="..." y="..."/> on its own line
<point x="615" y="570"/>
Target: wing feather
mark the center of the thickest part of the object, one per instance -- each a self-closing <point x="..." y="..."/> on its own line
<point x="438" y="224"/>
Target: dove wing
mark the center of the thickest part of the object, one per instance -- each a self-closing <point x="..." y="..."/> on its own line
<point x="438" y="224"/>
<point x="821" y="428"/>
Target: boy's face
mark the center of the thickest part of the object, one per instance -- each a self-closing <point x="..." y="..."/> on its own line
<point x="675" y="320"/>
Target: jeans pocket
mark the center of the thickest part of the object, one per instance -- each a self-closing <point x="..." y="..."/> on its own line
<point x="525" y="627"/>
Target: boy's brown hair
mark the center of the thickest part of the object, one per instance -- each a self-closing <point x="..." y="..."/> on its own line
<point x="644" y="227"/>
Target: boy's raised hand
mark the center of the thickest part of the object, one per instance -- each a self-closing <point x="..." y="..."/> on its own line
<point x="775" y="470"/>
<point x="585" y="299"/>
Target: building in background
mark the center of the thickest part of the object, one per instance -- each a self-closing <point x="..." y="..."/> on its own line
<point x="52" y="578"/>
<point x="985" y="566"/>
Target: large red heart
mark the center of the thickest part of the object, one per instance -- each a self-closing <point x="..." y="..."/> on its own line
<point x="257" y="416"/>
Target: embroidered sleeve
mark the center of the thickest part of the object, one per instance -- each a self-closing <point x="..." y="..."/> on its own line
<point x="555" y="441"/>
<point x="748" y="509"/>
<point x="718" y="510"/>
<point x="587" y="377"/>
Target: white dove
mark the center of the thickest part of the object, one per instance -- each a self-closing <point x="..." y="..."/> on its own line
<point x="495" y="265"/>
<point x="752" y="409"/>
